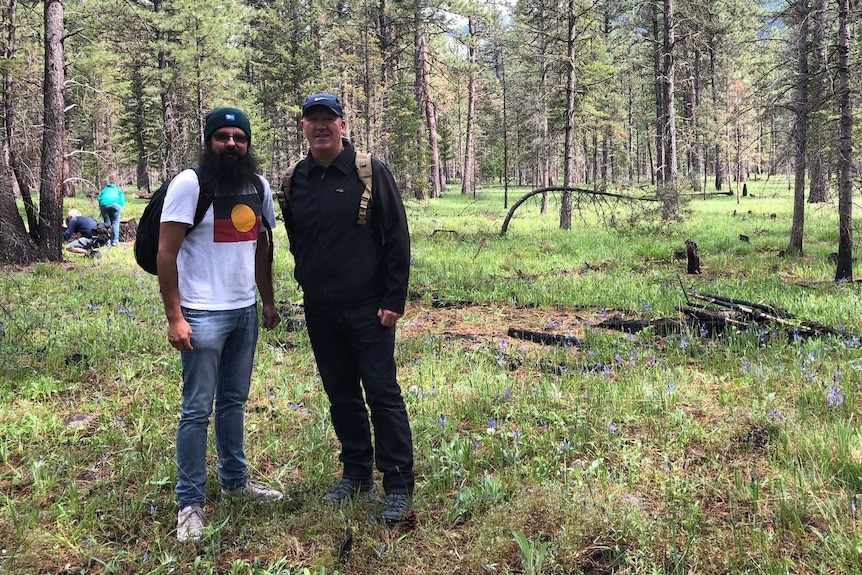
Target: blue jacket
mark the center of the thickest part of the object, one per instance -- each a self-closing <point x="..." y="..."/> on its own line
<point x="79" y="225"/>
<point x="111" y="194"/>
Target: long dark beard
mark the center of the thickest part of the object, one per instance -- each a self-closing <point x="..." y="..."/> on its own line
<point x="227" y="176"/>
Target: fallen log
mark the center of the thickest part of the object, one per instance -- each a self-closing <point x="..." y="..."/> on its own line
<point x="661" y="326"/>
<point x="544" y="338"/>
<point x="766" y="314"/>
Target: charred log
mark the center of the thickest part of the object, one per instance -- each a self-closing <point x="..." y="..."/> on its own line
<point x="544" y="338"/>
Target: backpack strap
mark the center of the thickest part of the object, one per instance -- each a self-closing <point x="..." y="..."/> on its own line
<point x="204" y="201"/>
<point x="363" y="168"/>
<point x="258" y="185"/>
<point x="283" y="195"/>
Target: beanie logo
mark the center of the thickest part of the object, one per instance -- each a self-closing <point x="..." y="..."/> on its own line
<point x="230" y="117"/>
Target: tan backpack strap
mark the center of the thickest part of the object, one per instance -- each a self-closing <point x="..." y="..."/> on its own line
<point x="283" y="194"/>
<point x="363" y="168"/>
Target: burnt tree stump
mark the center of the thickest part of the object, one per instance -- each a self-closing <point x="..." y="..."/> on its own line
<point x="128" y="230"/>
<point x="692" y="257"/>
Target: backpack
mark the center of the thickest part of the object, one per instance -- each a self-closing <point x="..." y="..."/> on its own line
<point x="147" y="237"/>
<point x="100" y="234"/>
<point x="363" y="169"/>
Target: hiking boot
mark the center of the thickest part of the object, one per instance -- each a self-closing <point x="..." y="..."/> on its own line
<point x="254" y="491"/>
<point x="347" y="488"/>
<point x="190" y="523"/>
<point x="396" y="506"/>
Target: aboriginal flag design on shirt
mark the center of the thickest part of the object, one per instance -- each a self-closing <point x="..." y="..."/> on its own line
<point x="236" y="218"/>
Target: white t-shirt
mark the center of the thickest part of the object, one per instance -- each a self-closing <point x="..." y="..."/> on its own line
<point x="216" y="260"/>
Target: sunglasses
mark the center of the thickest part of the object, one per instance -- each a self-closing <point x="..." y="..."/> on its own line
<point x="221" y="137"/>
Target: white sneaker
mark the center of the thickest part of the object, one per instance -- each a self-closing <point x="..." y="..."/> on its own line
<point x="252" y="490"/>
<point x="190" y="523"/>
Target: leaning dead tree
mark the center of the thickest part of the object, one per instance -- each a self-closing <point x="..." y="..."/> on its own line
<point x="606" y="205"/>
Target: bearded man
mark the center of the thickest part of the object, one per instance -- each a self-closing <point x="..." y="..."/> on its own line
<point x="207" y="277"/>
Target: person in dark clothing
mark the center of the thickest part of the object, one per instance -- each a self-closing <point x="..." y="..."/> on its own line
<point x="354" y="281"/>
<point x="78" y="224"/>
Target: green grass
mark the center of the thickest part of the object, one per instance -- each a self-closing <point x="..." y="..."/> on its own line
<point x="642" y="453"/>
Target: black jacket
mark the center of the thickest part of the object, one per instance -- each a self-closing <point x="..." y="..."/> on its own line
<point x="337" y="261"/>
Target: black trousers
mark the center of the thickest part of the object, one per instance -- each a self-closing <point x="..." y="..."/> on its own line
<point x="351" y="346"/>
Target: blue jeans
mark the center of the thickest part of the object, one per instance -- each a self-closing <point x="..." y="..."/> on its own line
<point x="218" y="367"/>
<point x="111" y="216"/>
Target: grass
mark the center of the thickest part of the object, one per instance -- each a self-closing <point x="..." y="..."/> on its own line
<point x="642" y="453"/>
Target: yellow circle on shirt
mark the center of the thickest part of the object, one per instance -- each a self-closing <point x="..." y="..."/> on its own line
<point x="243" y="217"/>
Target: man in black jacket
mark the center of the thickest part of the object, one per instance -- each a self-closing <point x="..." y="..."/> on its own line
<point x="353" y="273"/>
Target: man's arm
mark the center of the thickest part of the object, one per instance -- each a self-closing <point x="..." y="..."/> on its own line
<point x="396" y="244"/>
<point x="263" y="278"/>
<point x="171" y="235"/>
<point x="70" y="228"/>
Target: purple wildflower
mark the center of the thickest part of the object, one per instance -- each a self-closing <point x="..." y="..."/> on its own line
<point x="492" y="423"/>
<point x="441" y="420"/>
<point x="835" y="397"/>
<point x="612" y="427"/>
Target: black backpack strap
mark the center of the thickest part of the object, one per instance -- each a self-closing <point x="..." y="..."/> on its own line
<point x="204" y="201"/>
<point x="258" y="185"/>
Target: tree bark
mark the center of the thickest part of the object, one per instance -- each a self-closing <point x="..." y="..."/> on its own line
<point x="14" y="247"/>
<point x="819" y="152"/>
<point x="569" y="144"/>
<point x="468" y="178"/>
<point x="50" y="189"/>
<point x="659" y="98"/>
<point x="670" y="205"/>
<point x="800" y="132"/>
<point x="426" y="107"/>
<point x="844" y="270"/>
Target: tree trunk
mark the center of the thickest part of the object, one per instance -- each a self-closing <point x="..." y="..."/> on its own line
<point x="844" y="270"/>
<point x="172" y="129"/>
<point x="569" y="144"/>
<point x="426" y="107"/>
<point x="659" y="99"/>
<point x="800" y="132"/>
<point x="670" y="204"/>
<point x="50" y="189"/>
<point x="819" y="152"/>
<point x="14" y="245"/>
<point x="719" y="166"/>
<point x="544" y="137"/>
<point x="699" y="167"/>
<point x="468" y="179"/>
